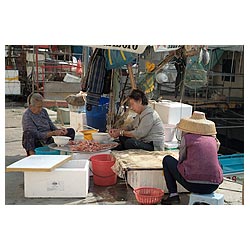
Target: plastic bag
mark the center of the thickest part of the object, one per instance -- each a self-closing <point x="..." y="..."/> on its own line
<point x="117" y="58"/>
<point x="146" y="82"/>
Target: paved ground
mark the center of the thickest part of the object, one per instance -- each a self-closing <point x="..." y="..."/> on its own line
<point x="119" y="194"/>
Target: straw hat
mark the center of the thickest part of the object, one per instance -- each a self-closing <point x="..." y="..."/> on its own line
<point x="197" y="124"/>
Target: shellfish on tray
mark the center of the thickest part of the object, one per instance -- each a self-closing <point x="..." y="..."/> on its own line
<point x="90" y="146"/>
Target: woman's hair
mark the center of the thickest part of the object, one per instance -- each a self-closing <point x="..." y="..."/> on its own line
<point x="137" y="95"/>
<point x="34" y="98"/>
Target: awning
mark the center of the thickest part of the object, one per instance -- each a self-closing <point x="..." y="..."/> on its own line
<point x="165" y="48"/>
<point x="139" y="49"/>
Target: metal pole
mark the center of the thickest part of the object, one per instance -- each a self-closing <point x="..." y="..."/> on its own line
<point x="232" y="64"/>
<point x="86" y="59"/>
<point x="37" y="85"/>
<point x="33" y="79"/>
<point x="111" y="112"/>
<point x="182" y="85"/>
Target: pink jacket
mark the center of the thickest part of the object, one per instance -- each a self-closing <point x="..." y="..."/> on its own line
<point x="201" y="164"/>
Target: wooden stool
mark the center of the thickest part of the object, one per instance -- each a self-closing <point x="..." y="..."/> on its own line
<point x="206" y="199"/>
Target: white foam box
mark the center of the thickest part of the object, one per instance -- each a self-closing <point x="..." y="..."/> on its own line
<point x="63" y="114"/>
<point x="71" y="78"/>
<point x="150" y="178"/>
<point x="171" y="112"/>
<point x="11" y="75"/>
<point x="30" y="56"/>
<point x="13" y="88"/>
<point x="77" y="120"/>
<point x="70" y="180"/>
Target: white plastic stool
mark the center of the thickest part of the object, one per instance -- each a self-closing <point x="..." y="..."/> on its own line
<point x="209" y="199"/>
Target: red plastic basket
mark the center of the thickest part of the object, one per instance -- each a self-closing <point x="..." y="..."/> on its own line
<point x="148" y="195"/>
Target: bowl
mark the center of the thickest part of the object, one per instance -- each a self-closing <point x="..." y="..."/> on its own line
<point x="61" y="140"/>
<point x="101" y="137"/>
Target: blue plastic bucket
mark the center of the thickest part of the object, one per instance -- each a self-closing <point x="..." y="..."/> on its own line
<point x="96" y="117"/>
<point x="46" y="151"/>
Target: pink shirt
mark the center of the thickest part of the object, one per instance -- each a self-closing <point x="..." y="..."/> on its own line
<point x="201" y="164"/>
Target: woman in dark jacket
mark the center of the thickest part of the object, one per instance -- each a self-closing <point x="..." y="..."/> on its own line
<point x="38" y="128"/>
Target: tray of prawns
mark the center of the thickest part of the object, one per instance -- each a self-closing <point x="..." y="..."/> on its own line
<point x="84" y="146"/>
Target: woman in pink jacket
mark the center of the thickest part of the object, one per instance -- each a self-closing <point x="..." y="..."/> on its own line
<point x="198" y="169"/>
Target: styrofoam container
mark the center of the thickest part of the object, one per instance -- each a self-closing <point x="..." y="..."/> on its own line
<point x="169" y="130"/>
<point x="63" y="115"/>
<point x="12" y="83"/>
<point x="13" y="88"/>
<point x="71" y="78"/>
<point x="150" y="178"/>
<point x="86" y="156"/>
<point x="79" y="109"/>
<point x="171" y="112"/>
<point x="69" y="180"/>
<point x="77" y="120"/>
<point x="11" y="75"/>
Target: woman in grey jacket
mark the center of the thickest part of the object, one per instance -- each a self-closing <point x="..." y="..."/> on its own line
<point x="146" y="130"/>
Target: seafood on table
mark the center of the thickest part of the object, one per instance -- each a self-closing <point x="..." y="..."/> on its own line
<point x="90" y="146"/>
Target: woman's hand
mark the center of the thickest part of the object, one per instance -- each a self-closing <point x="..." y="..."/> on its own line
<point x="60" y="132"/>
<point x="114" y="133"/>
<point x="64" y="131"/>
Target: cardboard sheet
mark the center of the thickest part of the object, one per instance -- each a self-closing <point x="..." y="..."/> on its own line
<point x="42" y="163"/>
<point x="141" y="159"/>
